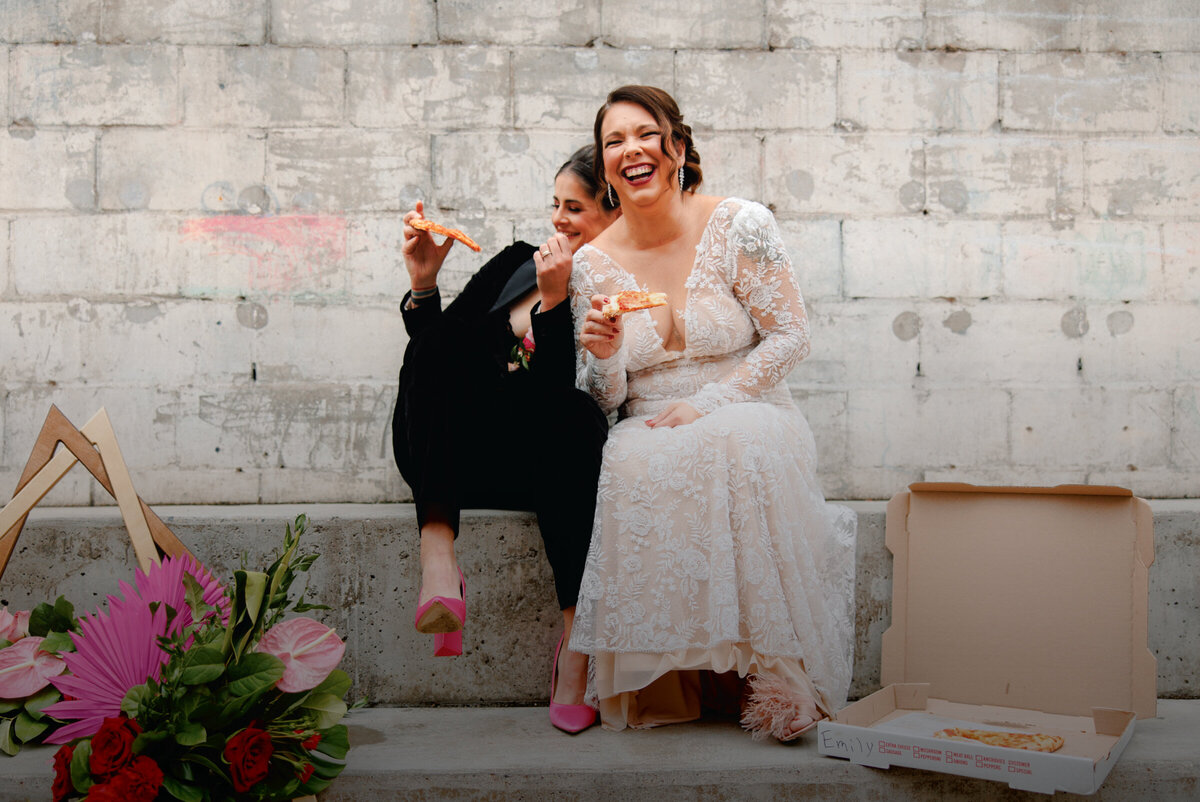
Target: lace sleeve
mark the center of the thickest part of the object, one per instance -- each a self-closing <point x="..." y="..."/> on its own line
<point x="760" y="274"/>
<point x="603" y="379"/>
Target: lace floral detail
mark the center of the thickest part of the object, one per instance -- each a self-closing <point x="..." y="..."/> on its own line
<point x="712" y="540"/>
<point x="743" y="299"/>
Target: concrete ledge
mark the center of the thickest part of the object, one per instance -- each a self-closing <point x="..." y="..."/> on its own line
<point x="514" y="754"/>
<point x="368" y="575"/>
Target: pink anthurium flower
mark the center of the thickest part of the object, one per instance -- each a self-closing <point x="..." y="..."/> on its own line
<point x="309" y="651"/>
<point x="24" y="670"/>
<point x="13" y="627"/>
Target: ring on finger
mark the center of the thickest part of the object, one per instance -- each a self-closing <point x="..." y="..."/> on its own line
<point x="544" y="251"/>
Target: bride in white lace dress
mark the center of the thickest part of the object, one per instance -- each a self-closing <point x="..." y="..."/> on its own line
<point x="713" y="550"/>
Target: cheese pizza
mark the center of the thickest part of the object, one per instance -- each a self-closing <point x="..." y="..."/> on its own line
<point x="1036" y="742"/>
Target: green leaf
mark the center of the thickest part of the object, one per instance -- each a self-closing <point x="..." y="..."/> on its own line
<point x="9" y="705"/>
<point x="81" y="775"/>
<point x="135" y="699"/>
<point x="7" y="745"/>
<point x="337" y="683"/>
<point x="26" y="727"/>
<point x="254" y="673"/>
<point x="253" y="588"/>
<point x="324" y="766"/>
<point x="57" y="642"/>
<point x="41" y="700"/>
<point x="45" y="619"/>
<point x="201" y="665"/>
<point x="148" y="739"/>
<point x="329" y="708"/>
<point x="186" y="792"/>
<point x="315" y="785"/>
<point x="335" y="742"/>
<point x="201" y="760"/>
<point x="191" y="735"/>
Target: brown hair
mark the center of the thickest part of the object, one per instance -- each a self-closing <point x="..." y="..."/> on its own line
<point x="582" y="165"/>
<point x="665" y="110"/>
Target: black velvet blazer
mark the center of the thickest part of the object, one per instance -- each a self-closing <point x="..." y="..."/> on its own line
<point x="471" y="320"/>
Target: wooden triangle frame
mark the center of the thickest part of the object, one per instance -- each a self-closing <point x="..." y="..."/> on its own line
<point x="95" y="445"/>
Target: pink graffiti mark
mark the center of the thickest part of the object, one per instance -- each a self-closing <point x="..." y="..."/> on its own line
<point x="285" y="252"/>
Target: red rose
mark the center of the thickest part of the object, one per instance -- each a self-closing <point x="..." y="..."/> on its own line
<point x="139" y="781"/>
<point x="104" y="792"/>
<point x="63" y="787"/>
<point x="306" y="772"/>
<point x="312" y="741"/>
<point x="112" y="746"/>
<point x="249" y="754"/>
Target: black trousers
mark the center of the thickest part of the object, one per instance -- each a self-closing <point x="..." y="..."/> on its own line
<point x="466" y="435"/>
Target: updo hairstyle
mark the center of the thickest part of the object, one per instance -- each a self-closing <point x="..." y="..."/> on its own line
<point x="665" y="110"/>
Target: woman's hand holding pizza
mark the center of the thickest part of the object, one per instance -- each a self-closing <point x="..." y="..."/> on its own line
<point x="553" y="261"/>
<point x="422" y="256"/>
<point x="601" y="335"/>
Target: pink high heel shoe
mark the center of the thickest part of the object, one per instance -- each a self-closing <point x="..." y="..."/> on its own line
<point x="444" y="618"/>
<point x="572" y="719"/>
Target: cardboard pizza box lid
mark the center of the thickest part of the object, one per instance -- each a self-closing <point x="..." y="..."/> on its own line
<point x="1026" y="597"/>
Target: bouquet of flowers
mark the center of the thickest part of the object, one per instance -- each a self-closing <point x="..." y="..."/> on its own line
<point x="185" y="689"/>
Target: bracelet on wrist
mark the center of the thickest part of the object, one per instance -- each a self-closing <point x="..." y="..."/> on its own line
<point x="421" y="295"/>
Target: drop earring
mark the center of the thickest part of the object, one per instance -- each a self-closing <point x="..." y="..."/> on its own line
<point x="681" y="180"/>
<point x="611" y="201"/>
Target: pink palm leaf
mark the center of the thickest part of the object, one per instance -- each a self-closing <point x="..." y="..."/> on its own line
<point x="164" y="583"/>
<point x="113" y="653"/>
<point x="118" y="651"/>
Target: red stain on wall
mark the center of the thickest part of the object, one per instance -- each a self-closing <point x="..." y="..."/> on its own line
<point x="285" y="251"/>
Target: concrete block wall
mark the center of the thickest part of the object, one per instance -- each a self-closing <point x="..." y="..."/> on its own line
<point x="992" y="205"/>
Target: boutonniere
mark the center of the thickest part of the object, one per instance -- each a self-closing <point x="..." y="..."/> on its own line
<point x="522" y="353"/>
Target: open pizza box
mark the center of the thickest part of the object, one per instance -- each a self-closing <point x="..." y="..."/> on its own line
<point x="1014" y="609"/>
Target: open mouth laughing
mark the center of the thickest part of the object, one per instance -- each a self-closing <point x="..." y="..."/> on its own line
<point x="638" y="174"/>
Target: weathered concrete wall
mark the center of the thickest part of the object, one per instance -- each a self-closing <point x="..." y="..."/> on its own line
<point x="992" y="206"/>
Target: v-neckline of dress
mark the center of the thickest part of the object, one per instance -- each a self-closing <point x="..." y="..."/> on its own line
<point x="687" y="301"/>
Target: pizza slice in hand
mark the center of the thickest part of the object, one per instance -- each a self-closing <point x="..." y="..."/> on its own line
<point x="421" y="224"/>
<point x="632" y="301"/>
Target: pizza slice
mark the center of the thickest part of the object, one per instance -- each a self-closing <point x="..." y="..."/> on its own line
<point x="1033" y="741"/>
<point x="421" y="224"/>
<point x="632" y="301"/>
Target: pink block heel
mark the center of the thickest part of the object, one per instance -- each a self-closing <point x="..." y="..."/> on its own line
<point x="572" y="719"/>
<point x="447" y="644"/>
<point x="443" y="617"/>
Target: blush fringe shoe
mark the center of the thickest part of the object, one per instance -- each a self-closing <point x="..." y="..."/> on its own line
<point x="444" y="618"/>
<point x="771" y="705"/>
<point x="572" y="719"/>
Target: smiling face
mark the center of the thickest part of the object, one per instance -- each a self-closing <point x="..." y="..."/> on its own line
<point x="635" y="162"/>
<point x="576" y="213"/>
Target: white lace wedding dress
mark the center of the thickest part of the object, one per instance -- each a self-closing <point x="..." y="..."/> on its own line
<point x="713" y="547"/>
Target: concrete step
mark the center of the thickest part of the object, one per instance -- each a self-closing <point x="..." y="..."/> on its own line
<point x="502" y="754"/>
<point x="368" y="575"/>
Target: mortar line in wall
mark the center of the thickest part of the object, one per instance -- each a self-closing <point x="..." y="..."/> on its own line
<point x="346" y="89"/>
<point x="512" y="87"/>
